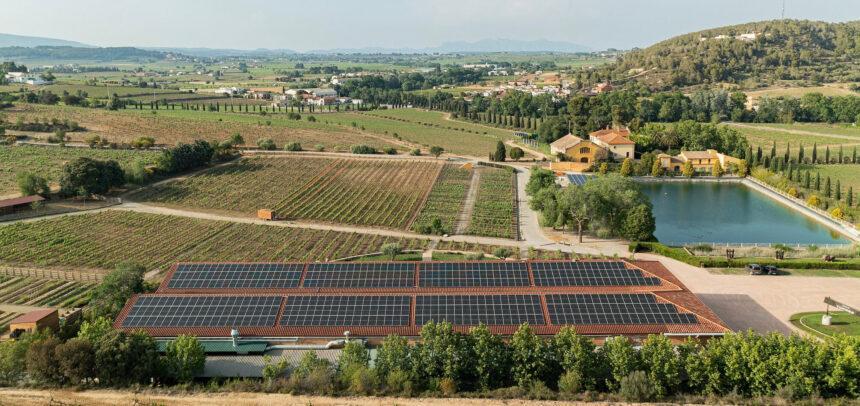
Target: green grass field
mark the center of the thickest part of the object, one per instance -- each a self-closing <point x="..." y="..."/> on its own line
<point x="847" y="174"/>
<point x="48" y="161"/>
<point x="765" y="138"/>
<point x="427" y="128"/>
<point x="841" y="323"/>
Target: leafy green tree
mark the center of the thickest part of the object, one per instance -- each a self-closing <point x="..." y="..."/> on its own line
<point x="391" y="250"/>
<point x="85" y="177"/>
<point x="639" y="224"/>
<point x="577" y="353"/>
<point x="42" y="363"/>
<point x="266" y="144"/>
<point x="517" y="153"/>
<point x="444" y="353"/>
<point x="95" y="329"/>
<point x="717" y="169"/>
<point x="109" y="297"/>
<point x="531" y="357"/>
<point x="539" y="178"/>
<point x="501" y="153"/>
<point x="76" y="360"/>
<point x="627" y="167"/>
<point x="184" y="358"/>
<point x="436" y="151"/>
<point x="688" y="171"/>
<point x="492" y="358"/>
<point x="309" y="363"/>
<point x="274" y="370"/>
<point x="656" y="169"/>
<point x="393" y="354"/>
<point x="30" y="184"/>
<point x="622" y="359"/>
<point x="353" y="359"/>
<point x="661" y="364"/>
<point x="842" y="376"/>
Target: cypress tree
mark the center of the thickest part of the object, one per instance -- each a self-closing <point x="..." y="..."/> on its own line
<point x="840" y="153"/>
<point x="815" y="153"/>
<point x="854" y="156"/>
<point x="850" y="198"/>
<point x="790" y="171"/>
<point x="758" y="154"/>
<point x="800" y="154"/>
<point x="828" y="191"/>
<point x="827" y="155"/>
<point x="838" y="190"/>
<point x="806" y="180"/>
<point x="787" y="155"/>
<point x="818" y="181"/>
<point x="773" y="151"/>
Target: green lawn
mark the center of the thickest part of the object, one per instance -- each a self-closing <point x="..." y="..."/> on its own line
<point x="840" y="323"/>
<point x="846" y="174"/>
<point x="766" y="138"/>
<point x="822" y="128"/>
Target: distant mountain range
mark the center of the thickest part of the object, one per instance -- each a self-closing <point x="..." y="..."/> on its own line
<point x="11" y="40"/>
<point x="484" y="45"/>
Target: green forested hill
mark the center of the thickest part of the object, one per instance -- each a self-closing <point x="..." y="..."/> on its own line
<point x="755" y="52"/>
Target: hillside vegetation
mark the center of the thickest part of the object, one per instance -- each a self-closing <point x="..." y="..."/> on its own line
<point x="755" y="52"/>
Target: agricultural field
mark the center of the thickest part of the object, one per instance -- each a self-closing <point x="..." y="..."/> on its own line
<point x="822" y="129"/>
<point x="494" y="215"/>
<point x="362" y="191"/>
<point x="99" y="91"/>
<point x="834" y="89"/>
<point x="428" y="129"/>
<point x="848" y="175"/>
<point x="43" y="292"/>
<point x="171" y="126"/>
<point x="48" y="161"/>
<point x="446" y="198"/>
<point x="100" y="241"/>
<point x="758" y="136"/>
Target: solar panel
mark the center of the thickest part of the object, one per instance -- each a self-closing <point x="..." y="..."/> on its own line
<point x="236" y="276"/>
<point x="613" y="309"/>
<point x="345" y="311"/>
<point x="471" y="274"/>
<point x="589" y="273"/>
<point x="577" y="179"/>
<point x="472" y="310"/>
<point x="204" y="311"/>
<point x="360" y="275"/>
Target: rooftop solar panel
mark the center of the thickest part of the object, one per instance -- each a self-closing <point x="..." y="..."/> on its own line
<point x="345" y="311"/>
<point x="613" y="309"/>
<point x="594" y="273"/>
<point x="236" y="276"/>
<point x="469" y="310"/>
<point x="360" y="275"/>
<point x="204" y="311"/>
<point x="577" y="178"/>
<point x="473" y="274"/>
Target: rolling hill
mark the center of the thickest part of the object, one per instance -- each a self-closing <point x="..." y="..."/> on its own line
<point x="750" y="53"/>
<point x="12" y="40"/>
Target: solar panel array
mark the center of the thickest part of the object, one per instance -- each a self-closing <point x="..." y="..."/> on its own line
<point x="577" y="179"/>
<point x="475" y="309"/>
<point x="360" y="275"/>
<point x="582" y="309"/>
<point x="236" y="276"/>
<point x="474" y="274"/>
<point x="599" y="273"/>
<point x="204" y="311"/>
<point x="342" y="311"/>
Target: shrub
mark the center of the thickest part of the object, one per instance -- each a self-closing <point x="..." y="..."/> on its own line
<point x="293" y="146"/>
<point x="398" y="382"/>
<point x="415" y="152"/>
<point x="272" y="371"/>
<point x="266" y="144"/>
<point x="570" y="383"/>
<point x="390" y="150"/>
<point x="539" y="391"/>
<point x="837" y="213"/>
<point x="502" y="252"/>
<point x="29" y="184"/>
<point x="363" y="149"/>
<point x="814" y="201"/>
<point x="312" y="119"/>
<point x="363" y="381"/>
<point x="636" y="387"/>
<point x="319" y="147"/>
<point x="447" y="386"/>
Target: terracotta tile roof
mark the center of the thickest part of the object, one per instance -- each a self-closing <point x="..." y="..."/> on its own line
<point x="20" y="200"/>
<point x="613" y="136"/>
<point x="566" y="142"/>
<point x="697" y="155"/>
<point x="669" y="290"/>
<point x="33" y="317"/>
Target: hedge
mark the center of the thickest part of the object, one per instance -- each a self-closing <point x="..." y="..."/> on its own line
<point x="715" y="262"/>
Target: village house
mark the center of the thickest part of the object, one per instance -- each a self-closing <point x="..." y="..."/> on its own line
<point x="576" y="149"/>
<point x="702" y="161"/>
<point x="616" y="142"/>
<point x="25" y="78"/>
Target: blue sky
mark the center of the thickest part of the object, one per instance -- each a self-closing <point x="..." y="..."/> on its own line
<point x="318" y="24"/>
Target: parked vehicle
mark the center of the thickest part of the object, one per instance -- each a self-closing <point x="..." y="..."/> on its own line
<point x="756" y="269"/>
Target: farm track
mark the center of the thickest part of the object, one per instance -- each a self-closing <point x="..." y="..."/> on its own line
<point x="465" y="215"/>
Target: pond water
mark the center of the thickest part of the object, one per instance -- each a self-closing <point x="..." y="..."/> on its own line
<point x="688" y="212"/>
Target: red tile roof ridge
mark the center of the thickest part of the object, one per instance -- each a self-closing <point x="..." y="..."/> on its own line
<point x="33" y="316"/>
<point x="663" y="279"/>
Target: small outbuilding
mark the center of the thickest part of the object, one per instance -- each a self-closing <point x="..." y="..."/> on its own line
<point x="9" y="206"/>
<point x="37" y="319"/>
